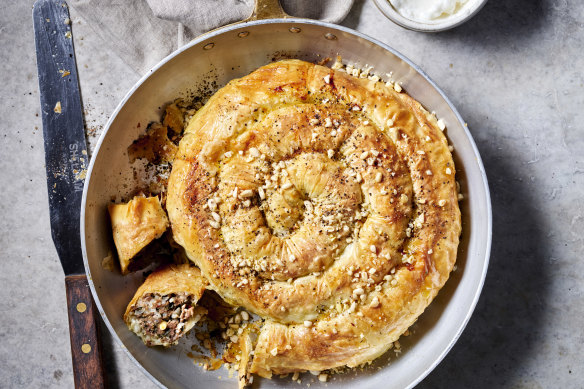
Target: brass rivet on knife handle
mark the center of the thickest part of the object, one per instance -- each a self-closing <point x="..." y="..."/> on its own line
<point x="267" y="9"/>
<point x="81" y="307"/>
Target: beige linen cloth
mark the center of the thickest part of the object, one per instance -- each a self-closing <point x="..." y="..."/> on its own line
<point x="142" y="32"/>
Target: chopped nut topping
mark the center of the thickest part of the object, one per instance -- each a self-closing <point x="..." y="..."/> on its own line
<point x="378" y="177"/>
<point x="442" y="203"/>
<point x="374" y="302"/>
<point x="441" y="125"/>
<point x="448" y="171"/>
<point x="327" y="78"/>
<point x="307" y="323"/>
<point x="330" y="153"/>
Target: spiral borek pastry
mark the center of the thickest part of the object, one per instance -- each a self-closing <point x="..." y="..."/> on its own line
<point x="324" y="203"/>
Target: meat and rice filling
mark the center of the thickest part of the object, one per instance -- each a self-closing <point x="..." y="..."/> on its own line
<point x="160" y="320"/>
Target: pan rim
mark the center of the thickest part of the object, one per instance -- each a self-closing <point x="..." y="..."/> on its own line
<point x="488" y="238"/>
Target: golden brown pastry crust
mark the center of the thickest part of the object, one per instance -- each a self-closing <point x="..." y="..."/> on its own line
<point x="172" y="279"/>
<point x="135" y="224"/>
<point x="324" y="203"/>
<point x="165" y="281"/>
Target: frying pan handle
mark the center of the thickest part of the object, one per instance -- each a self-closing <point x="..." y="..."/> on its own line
<point x="267" y="9"/>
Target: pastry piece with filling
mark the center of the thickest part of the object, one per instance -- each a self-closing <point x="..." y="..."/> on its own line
<point x="136" y="224"/>
<point x="324" y="203"/>
<point x="165" y="307"/>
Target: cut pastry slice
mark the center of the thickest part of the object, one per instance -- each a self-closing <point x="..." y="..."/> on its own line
<point x="135" y="224"/>
<point x="165" y="307"/>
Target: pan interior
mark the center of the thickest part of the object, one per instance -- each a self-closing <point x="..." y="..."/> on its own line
<point x="202" y="67"/>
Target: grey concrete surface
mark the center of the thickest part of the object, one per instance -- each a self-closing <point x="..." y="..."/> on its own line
<point x="516" y="74"/>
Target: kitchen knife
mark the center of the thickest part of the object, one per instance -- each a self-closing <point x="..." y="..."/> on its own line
<point x="66" y="161"/>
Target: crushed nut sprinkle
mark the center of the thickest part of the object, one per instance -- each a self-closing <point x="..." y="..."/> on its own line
<point x="441" y="124"/>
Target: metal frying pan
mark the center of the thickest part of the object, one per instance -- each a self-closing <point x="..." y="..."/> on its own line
<point x="234" y="51"/>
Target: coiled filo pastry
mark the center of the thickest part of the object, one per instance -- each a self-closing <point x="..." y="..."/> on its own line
<point x="324" y="203"/>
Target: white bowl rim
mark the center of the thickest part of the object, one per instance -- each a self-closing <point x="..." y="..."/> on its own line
<point x="474" y="6"/>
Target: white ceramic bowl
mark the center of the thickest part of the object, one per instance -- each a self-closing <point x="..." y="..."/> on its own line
<point x="468" y="10"/>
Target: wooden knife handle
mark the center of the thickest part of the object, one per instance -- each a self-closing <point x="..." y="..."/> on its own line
<point x="85" y="345"/>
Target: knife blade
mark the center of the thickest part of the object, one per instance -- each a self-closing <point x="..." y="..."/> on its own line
<point x="66" y="162"/>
